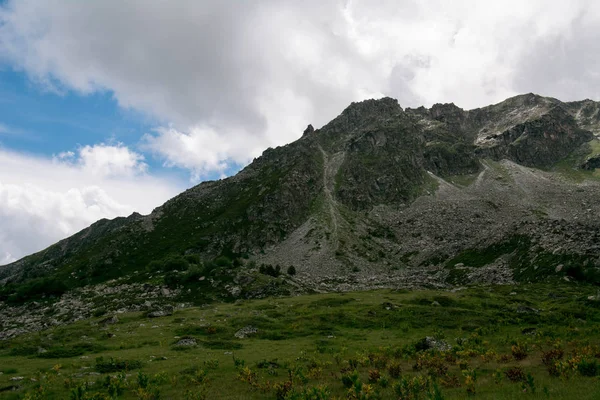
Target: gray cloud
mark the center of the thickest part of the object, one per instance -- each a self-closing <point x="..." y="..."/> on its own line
<point x="564" y="65"/>
<point x="226" y="79"/>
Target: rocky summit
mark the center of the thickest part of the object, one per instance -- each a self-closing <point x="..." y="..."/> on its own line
<point x="379" y="197"/>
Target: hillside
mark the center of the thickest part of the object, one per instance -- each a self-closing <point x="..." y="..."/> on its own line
<point x="503" y="342"/>
<point x="380" y="197"/>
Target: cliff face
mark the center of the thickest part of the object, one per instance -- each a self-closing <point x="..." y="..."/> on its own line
<point x="379" y="194"/>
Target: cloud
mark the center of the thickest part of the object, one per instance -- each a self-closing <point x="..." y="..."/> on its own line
<point x="105" y="160"/>
<point x="225" y="79"/>
<point x="44" y="200"/>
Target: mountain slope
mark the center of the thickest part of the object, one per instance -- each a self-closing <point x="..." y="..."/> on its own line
<point x="379" y="196"/>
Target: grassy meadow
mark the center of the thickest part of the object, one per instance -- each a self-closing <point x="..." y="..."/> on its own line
<point x="500" y="342"/>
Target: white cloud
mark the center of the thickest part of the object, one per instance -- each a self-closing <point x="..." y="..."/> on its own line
<point x="42" y="200"/>
<point x="229" y="78"/>
<point x="105" y="160"/>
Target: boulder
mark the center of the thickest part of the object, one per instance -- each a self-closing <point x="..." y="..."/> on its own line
<point x="164" y="312"/>
<point x="245" y="332"/>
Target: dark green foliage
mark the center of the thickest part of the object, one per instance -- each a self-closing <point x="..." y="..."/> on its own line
<point x="223" y="261"/>
<point x="193" y="259"/>
<point x="9" y="371"/>
<point x="268" y="269"/>
<point x="75" y="350"/>
<point x="291" y="270"/>
<point x="176" y="264"/>
<point x="35" y="289"/>
<point x="116" y="365"/>
<point x="588" y="367"/>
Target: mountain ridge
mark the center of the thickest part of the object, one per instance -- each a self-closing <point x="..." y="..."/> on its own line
<point x="332" y="202"/>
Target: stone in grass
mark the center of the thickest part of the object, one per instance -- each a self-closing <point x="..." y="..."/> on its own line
<point x="430" y="342"/>
<point x="527" y="310"/>
<point x="164" y="312"/>
<point x="186" y="342"/>
<point x="109" y="321"/>
<point x="245" y="332"/>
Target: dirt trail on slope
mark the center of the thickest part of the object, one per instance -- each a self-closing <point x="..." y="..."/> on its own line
<point x="331" y="166"/>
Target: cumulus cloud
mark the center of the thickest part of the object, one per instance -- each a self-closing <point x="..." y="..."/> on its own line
<point x="227" y="79"/>
<point x="105" y="160"/>
<point x="42" y="200"/>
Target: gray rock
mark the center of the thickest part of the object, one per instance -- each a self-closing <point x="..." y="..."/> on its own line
<point x="527" y="310"/>
<point x="245" y="332"/>
<point x="160" y="313"/>
<point x="187" y="342"/>
<point x="109" y="321"/>
<point x="430" y="342"/>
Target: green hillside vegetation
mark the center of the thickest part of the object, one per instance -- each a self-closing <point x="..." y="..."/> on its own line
<point x="499" y="342"/>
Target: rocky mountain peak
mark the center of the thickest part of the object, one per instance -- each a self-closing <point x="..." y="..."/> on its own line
<point x="380" y="195"/>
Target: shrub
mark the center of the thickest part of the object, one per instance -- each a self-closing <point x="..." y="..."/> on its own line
<point x="9" y="371"/>
<point x="176" y="264"/>
<point x="143" y="380"/>
<point x="172" y="279"/>
<point x="116" y="365"/>
<point x="374" y="375"/>
<point x="267" y="269"/>
<point x="194" y="273"/>
<point x="36" y="289"/>
<point x="519" y="352"/>
<point x="193" y="259"/>
<point x="588" y="367"/>
<point x="383" y="381"/>
<point x="550" y="358"/>
<point x="394" y="370"/>
<point x="154" y="265"/>
<point x="515" y="374"/>
<point x="291" y="270"/>
<point x="223" y="261"/>
<point x="349" y="380"/>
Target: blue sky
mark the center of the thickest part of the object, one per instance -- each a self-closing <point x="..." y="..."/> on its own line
<point x="37" y="120"/>
<point x="109" y="107"/>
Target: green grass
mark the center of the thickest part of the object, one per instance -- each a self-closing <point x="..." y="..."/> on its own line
<point x="320" y="339"/>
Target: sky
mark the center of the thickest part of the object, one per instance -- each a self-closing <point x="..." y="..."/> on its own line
<point x="109" y="107"/>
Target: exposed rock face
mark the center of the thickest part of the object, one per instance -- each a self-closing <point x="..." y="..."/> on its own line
<point x="537" y="143"/>
<point x="378" y="197"/>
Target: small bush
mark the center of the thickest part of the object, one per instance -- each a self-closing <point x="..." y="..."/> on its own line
<point x="176" y="264"/>
<point x="374" y="375"/>
<point x="588" y="367"/>
<point x="9" y="371"/>
<point x="515" y="374"/>
<point x="116" y="365"/>
<point x="394" y="370"/>
<point x="23" y="351"/>
<point x="223" y="261"/>
<point x="267" y="269"/>
<point x="519" y="352"/>
<point x="193" y="259"/>
<point x="550" y="359"/>
<point x="291" y="270"/>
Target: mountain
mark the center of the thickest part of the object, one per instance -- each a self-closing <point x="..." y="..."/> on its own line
<point x="379" y="197"/>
